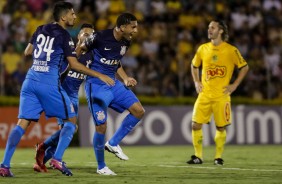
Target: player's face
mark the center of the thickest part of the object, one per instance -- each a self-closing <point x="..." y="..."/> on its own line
<point x="214" y="31"/>
<point x="130" y="30"/>
<point x="70" y="18"/>
<point x="84" y="33"/>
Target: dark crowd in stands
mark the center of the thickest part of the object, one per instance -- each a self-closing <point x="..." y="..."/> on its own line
<point x="170" y="32"/>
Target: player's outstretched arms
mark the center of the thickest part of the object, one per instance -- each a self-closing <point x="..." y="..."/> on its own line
<point x="75" y="65"/>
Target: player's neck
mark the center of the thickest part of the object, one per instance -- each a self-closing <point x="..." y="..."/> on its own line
<point x="216" y="42"/>
<point x="117" y="34"/>
<point x="61" y="24"/>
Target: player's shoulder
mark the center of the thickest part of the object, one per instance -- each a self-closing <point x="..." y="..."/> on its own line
<point x="86" y="57"/>
<point x="230" y="47"/>
<point x="105" y="34"/>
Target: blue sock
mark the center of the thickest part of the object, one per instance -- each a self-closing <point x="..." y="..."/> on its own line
<point x="65" y="138"/>
<point x="49" y="153"/>
<point x="126" y="126"/>
<point x="13" y="140"/>
<point x="52" y="140"/>
<point x="99" y="145"/>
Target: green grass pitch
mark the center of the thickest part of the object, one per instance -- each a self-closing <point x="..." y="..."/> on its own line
<point x="157" y="164"/>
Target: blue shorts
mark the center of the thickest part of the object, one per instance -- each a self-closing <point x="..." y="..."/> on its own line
<point x="37" y="97"/>
<point x="75" y="103"/>
<point x="100" y="97"/>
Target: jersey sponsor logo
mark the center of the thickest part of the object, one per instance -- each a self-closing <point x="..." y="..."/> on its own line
<point x="218" y="71"/>
<point x="76" y="75"/>
<point x="123" y="50"/>
<point x="110" y="61"/>
<point x="100" y="115"/>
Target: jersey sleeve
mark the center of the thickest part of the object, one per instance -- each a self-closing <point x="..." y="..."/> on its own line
<point x="68" y="46"/>
<point x="90" y="41"/>
<point x="34" y="36"/>
<point x="239" y="61"/>
<point x="197" y="60"/>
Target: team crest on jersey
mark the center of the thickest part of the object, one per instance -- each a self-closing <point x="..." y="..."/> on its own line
<point x="214" y="58"/>
<point x="123" y="50"/>
<point x="100" y="115"/>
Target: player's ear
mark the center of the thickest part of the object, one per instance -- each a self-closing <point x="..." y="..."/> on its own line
<point x="122" y="28"/>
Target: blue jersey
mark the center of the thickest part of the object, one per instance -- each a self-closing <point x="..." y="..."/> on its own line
<point x="107" y="54"/>
<point x="74" y="79"/>
<point x="52" y="44"/>
<point x="107" y="59"/>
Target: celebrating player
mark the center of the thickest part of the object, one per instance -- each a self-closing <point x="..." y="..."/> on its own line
<point x="71" y="84"/>
<point x="50" y="46"/>
<point x="218" y="60"/>
<point x="109" y="46"/>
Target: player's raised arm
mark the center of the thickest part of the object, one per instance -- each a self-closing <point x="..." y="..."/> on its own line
<point x="85" y="44"/>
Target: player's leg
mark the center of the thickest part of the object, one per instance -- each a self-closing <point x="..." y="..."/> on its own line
<point x="201" y="115"/>
<point x="29" y="109"/>
<point x="13" y="140"/>
<point x="56" y="103"/>
<point x="124" y="99"/>
<point x="222" y="116"/>
<point x="136" y="112"/>
<point x="46" y="150"/>
<point x="98" y="98"/>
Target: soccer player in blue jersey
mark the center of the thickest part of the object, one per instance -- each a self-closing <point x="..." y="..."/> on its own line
<point x="71" y="84"/>
<point x="109" y="46"/>
<point x="50" y="46"/>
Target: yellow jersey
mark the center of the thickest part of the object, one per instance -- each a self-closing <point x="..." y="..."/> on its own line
<point x="218" y="63"/>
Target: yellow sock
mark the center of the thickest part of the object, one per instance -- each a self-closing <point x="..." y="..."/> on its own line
<point x="219" y="139"/>
<point x="197" y="136"/>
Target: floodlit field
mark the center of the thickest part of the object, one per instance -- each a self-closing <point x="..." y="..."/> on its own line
<point x="157" y="164"/>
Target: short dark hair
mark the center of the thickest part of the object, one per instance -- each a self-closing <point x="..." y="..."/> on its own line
<point x="86" y="26"/>
<point x="60" y="8"/>
<point x="223" y="26"/>
<point x="125" y="19"/>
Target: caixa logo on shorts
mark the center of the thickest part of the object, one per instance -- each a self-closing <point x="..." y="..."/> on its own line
<point x="100" y="115"/>
<point x="218" y="71"/>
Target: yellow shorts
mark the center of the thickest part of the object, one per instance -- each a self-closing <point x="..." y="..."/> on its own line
<point x="205" y="107"/>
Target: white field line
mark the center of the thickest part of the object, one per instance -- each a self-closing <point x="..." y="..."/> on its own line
<point x="172" y="166"/>
<point x="223" y="168"/>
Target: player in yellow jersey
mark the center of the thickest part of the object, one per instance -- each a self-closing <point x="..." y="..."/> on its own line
<point x="217" y="60"/>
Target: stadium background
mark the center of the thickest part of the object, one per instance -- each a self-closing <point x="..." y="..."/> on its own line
<point x="159" y="58"/>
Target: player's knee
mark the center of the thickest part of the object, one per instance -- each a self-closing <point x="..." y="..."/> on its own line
<point x="23" y="123"/>
<point x="101" y="128"/>
<point x="221" y="129"/>
<point x="73" y="120"/>
<point x="196" y="126"/>
<point x="138" y="111"/>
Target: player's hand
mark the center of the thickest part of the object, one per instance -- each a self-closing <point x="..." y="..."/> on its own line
<point x="229" y="89"/>
<point x="130" y="82"/>
<point x="106" y="79"/>
<point x="199" y="87"/>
